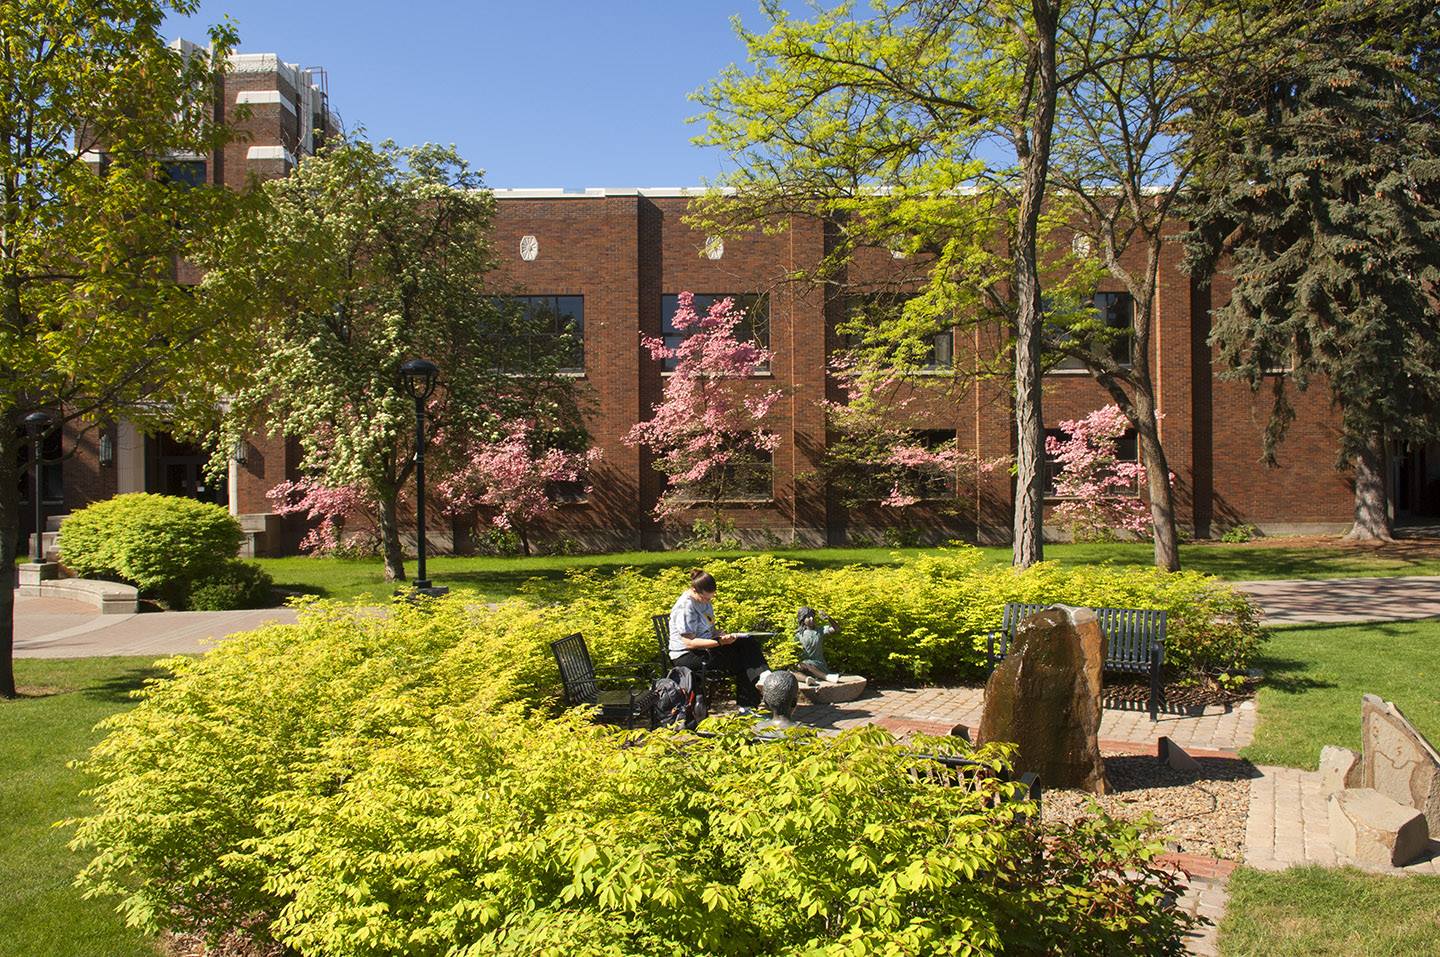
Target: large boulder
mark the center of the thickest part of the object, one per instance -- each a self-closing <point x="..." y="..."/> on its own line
<point x="1397" y="760"/>
<point x="1045" y="697"/>
<point x="1371" y="829"/>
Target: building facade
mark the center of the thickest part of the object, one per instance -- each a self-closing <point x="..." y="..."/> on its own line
<point x="610" y="262"/>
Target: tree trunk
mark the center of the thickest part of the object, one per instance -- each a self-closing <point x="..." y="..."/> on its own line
<point x="390" y="541"/>
<point x="1157" y="480"/>
<point x="524" y="540"/>
<point x="1033" y="149"/>
<point x="1372" y="501"/>
<point x="9" y="535"/>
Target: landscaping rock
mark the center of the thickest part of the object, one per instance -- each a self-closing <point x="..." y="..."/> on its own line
<point x="1398" y="761"/>
<point x="848" y="688"/>
<point x="1339" y="769"/>
<point x="1370" y="828"/>
<point x="1176" y="756"/>
<point x="1045" y="697"/>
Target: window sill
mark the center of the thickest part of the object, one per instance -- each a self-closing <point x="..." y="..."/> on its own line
<point x="670" y="374"/>
<point x="1080" y="372"/>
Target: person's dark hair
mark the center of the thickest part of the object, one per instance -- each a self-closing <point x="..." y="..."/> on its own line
<point x="702" y="581"/>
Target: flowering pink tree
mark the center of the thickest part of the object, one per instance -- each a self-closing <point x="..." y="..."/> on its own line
<point x="708" y="425"/>
<point x="344" y="516"/>
<point x="511" y="482"/>
<point x="1099" y="490"/>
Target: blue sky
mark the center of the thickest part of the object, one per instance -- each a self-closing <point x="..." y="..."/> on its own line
<point x="550" y="93"/>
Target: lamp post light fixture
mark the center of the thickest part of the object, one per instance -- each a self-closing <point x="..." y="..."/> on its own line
<point x="419" y="377"/>
<point x="36" y="424"/>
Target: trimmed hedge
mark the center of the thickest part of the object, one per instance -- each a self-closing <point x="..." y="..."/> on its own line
<point x="921" y="620"/>
<point x="162" y="544"/>
<point x="373" y="784"/>
<point x="237" y="585"/>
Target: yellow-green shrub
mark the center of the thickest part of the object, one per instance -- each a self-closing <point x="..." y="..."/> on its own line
<point x="162" y="544"/>
<point x="923" y="619"/>
<point x="369" y="784"/>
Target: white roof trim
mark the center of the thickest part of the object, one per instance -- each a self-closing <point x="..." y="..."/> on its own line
<point x="264" y="96"/>
<point x="270" y="153"/>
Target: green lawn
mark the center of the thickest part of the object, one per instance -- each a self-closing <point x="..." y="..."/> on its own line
<point x="499" y="577"/>
<point x="41" y="913"/>
<point x="1318" y="912"/>
<point x="1315" y="675"/>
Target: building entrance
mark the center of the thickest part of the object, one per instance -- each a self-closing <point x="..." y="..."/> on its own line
<point x="178" y="468"/>
<point x="1416" y="481"/>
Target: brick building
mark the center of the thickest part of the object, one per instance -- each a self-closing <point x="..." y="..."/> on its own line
<point x="289" y="116"/>
<point x="611" y="261"/>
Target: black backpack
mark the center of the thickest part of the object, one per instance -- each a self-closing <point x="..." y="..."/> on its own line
<point x="679" y="703"/>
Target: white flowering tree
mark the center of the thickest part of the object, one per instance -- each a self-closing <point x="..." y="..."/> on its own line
<point x="369" y="255"/>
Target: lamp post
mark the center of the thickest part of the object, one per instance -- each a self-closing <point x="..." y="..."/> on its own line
<point x="419" y="378"/>
<point x="36" y="423"/>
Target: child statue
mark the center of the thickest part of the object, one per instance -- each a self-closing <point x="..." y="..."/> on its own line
<point x="811" y="629"/>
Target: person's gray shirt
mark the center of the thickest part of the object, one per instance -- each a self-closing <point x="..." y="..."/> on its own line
<point x="690" y="616"/>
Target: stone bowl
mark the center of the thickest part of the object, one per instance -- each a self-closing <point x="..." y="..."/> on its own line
<point x="848" y="688"/>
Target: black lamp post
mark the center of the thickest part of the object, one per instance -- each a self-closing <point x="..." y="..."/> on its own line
<point x="36" y="423"/>
<point x="419" y="377"/>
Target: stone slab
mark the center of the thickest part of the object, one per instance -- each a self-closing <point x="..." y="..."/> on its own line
<point x="1371" y="829"/>
<point x="1398" y="761"/>
<point x="1339" y="769"/>
<point x="848" y="688"/>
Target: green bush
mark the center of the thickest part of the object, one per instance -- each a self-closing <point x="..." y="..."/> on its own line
<point x="923" y="619"/>
<point x="237" y="585"/>
<point x="372" y="784"/>
<point x="162" y="544"/>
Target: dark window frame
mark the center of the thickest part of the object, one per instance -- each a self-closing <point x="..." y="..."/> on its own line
<point x="1118" y="309"/>
<point x="1127" y="449"/>
<point x="531" y="305"/>
<point x="941" y="342"/>
<point x="52" y="470"/>
<point x="756" y="332"/>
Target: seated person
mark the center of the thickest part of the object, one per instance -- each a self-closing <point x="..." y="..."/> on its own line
<point x="695" y="642"/>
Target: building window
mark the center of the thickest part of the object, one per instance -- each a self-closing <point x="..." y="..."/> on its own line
<point x="929" y="482"/>
<point x="748" y="477"/>
<point x="755" y="327"/>
<point x="939" y="355"/>
<point x="52" y="487"/>
<point x="1127" y="449"/>
<point x="185" y="173"/>
<point x="574" y="440"/>
<point x="1116" y="311"/>
<point x="546" y="329"/>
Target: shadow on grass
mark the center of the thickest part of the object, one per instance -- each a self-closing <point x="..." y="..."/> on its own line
<point x="116" y="688"/>
<point x="1291" y="676"/>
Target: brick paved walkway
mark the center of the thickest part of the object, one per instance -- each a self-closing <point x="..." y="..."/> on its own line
<point x="936" y="710"/>
<point x="1289" y="823"/>
<point x="1205" y="897"/>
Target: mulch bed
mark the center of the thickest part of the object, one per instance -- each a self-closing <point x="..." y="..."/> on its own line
<point x="1195" y="812"/>
<point x="1135" y="689"/>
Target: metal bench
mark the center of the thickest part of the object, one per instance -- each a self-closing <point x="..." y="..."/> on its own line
<point x="1134" y="640"/>
<point x="630" y="707"/>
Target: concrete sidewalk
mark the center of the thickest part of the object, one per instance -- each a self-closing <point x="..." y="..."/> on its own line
<point x="55" y="628"/>
<point x="1341" y="600"/>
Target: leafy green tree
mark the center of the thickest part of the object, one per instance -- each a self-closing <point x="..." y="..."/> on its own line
<point x="370" y="255"/>
<point x="923" y="128"/>
<point x="94" y="322"/>
<point x="1120" y="172"/>
<point x="1318" y="196"/>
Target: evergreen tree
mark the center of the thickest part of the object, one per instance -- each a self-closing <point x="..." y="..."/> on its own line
<point x="1317" y="196"/>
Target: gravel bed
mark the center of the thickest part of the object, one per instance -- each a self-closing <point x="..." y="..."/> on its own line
<point x="1195" y="812"/>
